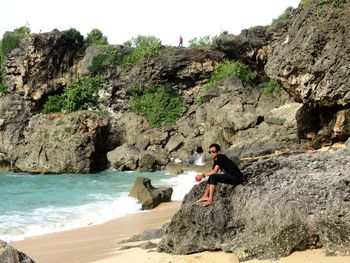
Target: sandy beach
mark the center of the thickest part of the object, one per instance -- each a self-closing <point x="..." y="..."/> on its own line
<point x="100" y="244"/>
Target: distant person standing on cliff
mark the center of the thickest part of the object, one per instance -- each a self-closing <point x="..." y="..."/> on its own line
<point x="181" y="41"/>
<point x="231" y="176"/>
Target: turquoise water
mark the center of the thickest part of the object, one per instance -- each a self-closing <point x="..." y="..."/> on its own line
<point x="38" y="204"/>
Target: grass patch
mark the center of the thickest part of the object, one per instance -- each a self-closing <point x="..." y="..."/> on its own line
<point x="159" y="104"/>
<point x="228" y="69"/>
<point x="272" y="88"/>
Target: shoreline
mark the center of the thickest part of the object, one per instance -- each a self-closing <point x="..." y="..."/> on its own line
<point x="101" y="244"/>
<point x="95" y="242"/>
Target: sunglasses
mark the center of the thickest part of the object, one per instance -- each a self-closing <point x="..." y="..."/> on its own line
<point x="212" y="152"/>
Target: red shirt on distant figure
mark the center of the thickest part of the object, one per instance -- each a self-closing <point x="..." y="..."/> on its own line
<point x="181" y="41"/>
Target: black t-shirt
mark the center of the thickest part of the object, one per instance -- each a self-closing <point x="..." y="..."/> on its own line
<point x="227" y="165"/>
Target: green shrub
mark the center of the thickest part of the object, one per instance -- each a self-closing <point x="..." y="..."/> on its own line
<point x="3" y="88"/>
<point x="98" y="61"/>
<point x="144" y="47"/>
<point x="78" y="95"/>
<point x="96" y="37"/>
<point x="272" y="88"/>
<point x="159" y="104"/>
<point x="305" y="2"/>
<point x="285" y="17"/>
<point x="75" y="34"/>
<point x="202" y="42"/>
<point x="200" y="100"/>
<point x="12" y="39"/>
<point x="227" y="69"/>
<point x="335" y="3"/>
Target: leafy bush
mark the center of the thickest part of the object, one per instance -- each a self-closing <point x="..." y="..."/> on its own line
<point x="285" y="17"/>
<point x="3" y="88"/>
<point x="75" y="34"/>
<point x="96" y="37"/>
<point x="228" y="69"/>
<point x="336" y="3"/>
<point x="98" y="61"/>
<point x="144" y="47"/>
<point x="78" y="95"/>
<point x="160" y="105"/>
<point x="272" y="88"/>
<point x="12" y="39"/>
<point x="202" y="42"/>
<point x="200" y="100"/>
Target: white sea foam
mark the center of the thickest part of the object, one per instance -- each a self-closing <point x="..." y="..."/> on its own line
<point x="181" y="184"/>
<point x="17" y="226"/>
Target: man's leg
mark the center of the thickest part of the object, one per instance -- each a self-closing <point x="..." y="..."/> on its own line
<point x="211" y="195"/>
<point x="205" y="196"/>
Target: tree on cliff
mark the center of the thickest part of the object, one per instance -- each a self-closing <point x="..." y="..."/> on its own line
<point x="96" y="37"/>
<point x="11" y="39"/>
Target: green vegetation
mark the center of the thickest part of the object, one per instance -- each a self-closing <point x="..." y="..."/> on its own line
<point x="96" y="37"/>
<point x="12" y="39"/>
<point x="159" y="104"/>
<point x="272" y="88"/>
<point x="78" y="95"/>
<point x="227" y="69"/>
<point x="98" y="61"/>
<point x="75" y="34"/>
<point x="202" y="42"/>
<point x="144" y="47"/>
<point x="305" y="2"/>
<point x="3" y="88"/>
<point x="285" y="17"/>
<point x="335" y="3"/>
<point x="200" y="100"/>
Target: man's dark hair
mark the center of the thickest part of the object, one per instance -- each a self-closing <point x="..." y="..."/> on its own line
<point x="217" y="146"/>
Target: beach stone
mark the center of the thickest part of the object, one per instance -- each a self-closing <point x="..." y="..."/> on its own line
<point x="148" y="195"/>
<point x="10" y="255"/>
<point x="289" y="203"/>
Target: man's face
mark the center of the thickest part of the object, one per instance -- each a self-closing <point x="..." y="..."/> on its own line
<point x="213" y="152"/>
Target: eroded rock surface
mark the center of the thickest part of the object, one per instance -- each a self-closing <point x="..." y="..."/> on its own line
<point x="287" y="204"/>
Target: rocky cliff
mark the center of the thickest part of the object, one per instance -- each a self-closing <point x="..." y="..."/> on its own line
<point x="311" y="61"/>
<point x="237" y="114"/>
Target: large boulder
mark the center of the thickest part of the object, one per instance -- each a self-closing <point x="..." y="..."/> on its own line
<point x="288" y="203"/>
<point x="10" y="255"/>
<point x="60" y="143"/>
<point x="311" y="60"/>
<point x="148" y="195"/>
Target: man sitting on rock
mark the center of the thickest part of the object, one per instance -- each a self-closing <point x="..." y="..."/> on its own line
<point x="231" y="176"/>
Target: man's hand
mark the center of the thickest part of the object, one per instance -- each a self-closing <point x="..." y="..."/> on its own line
<point x="199" y="177"/>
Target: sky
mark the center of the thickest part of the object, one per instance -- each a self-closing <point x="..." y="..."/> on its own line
<point x="121" y="20"/>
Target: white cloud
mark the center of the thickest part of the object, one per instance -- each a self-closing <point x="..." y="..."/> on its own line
<point x="123" y="19"/>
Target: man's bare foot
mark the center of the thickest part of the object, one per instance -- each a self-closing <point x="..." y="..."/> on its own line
<point x="208" y="203"/>
<point x="203" y="199"/>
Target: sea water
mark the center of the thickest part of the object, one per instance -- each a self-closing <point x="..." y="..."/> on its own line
<point x="33" y="205"/>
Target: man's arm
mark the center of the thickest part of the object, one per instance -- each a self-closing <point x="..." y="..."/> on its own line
<point x="215" y="170"/>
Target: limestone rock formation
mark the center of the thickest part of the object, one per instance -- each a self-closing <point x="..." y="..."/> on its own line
<point x="43" y="64"/>
<point x="311" y="60"/>
<point x="288" y="203"/>
<point x="11" y="255"/>
<point x="148" y="195"/>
